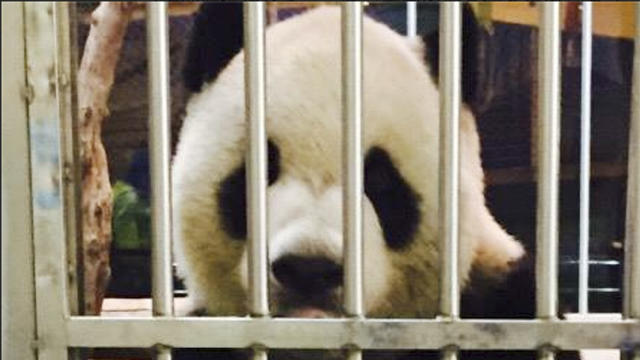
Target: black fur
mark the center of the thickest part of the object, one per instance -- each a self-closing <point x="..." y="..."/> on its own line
<point x="511" y="297"/>
<point x="307" y="275"/>
<point x="216" y="36"/>
<point x="470" y="41"/>
<point x="394" y="200"/>
<point x="232" y="196"/>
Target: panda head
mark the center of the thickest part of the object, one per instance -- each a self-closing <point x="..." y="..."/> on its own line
<point x="303" y="112"/>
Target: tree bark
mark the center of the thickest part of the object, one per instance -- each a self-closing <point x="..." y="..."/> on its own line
<point x="95" y="78"/>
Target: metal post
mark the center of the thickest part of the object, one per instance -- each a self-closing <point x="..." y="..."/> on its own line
<point x="67" y="110"/>
<point x="546" y="353"/>
<point x="585" y="156"/>
<point x="632" y="241"/>
<point x="255" y="100"/>
<point x="159" y="155"/>
<point x="352" y="159"/>
<point x="255" y="95"/>
<point x="450" y="66"/>
<point x="48" y="204"/>
<point x="412" y="18"/>
<point x="548" y="164"/>
<point x="18" y="294"/>
<point x="352" y="156"/>
<point x="548" y="159"/>
<point x="66" y="91"/>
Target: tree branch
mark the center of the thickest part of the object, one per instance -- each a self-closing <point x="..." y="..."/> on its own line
<point x="95" y="78"/>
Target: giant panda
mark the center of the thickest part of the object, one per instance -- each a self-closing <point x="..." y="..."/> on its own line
<point x="303" y="112"/>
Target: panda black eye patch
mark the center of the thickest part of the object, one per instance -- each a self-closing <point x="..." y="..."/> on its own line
<point x="232" y="196"/>
<point x="394" y="200"/>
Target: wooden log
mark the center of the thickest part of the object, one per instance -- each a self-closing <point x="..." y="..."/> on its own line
<point x="95" y="78"/>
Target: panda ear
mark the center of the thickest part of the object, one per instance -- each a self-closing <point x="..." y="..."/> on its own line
<point x="470" y="39"/>
<point x="216" y="36"/>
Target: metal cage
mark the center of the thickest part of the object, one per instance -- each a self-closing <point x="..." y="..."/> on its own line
<point x="39" y="227"/>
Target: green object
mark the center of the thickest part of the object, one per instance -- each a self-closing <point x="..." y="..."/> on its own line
<point x="131" y="218"/>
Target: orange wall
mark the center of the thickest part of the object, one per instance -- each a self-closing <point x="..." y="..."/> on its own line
<point x="609" y="18"/>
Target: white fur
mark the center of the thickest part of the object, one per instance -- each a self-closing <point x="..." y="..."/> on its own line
<point x="304" y="120"/>
<point x="311" y="224"/>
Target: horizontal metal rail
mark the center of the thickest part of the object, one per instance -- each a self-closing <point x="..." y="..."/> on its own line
<point x="365" y="334"/>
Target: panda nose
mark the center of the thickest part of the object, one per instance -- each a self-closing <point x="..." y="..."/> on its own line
<point x="307" y="275"/>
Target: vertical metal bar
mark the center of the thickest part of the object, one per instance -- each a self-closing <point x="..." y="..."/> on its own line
<point x="255" y="100"/>
<point x="450" y="65"/>
<point x="352" y="166"/>
<point x="18" y="293"/>
<point x="352" y="154"/>
<point x="632" y="241"/>
<point x="66" y="90"/>
<point x="450" y="82"/>
<point x="159" y="155"/>
<point x="450" y="353"/>
<point x="546" y="353"/>
<point x="257" y="160"/>
<point x="548" y="160"/>
<point x="159" y="144"/>
<point x="48" y="206"/>
<point x="412" y="18"/>
<point x="259" y="353"/>
<point x="585" y="156"/>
